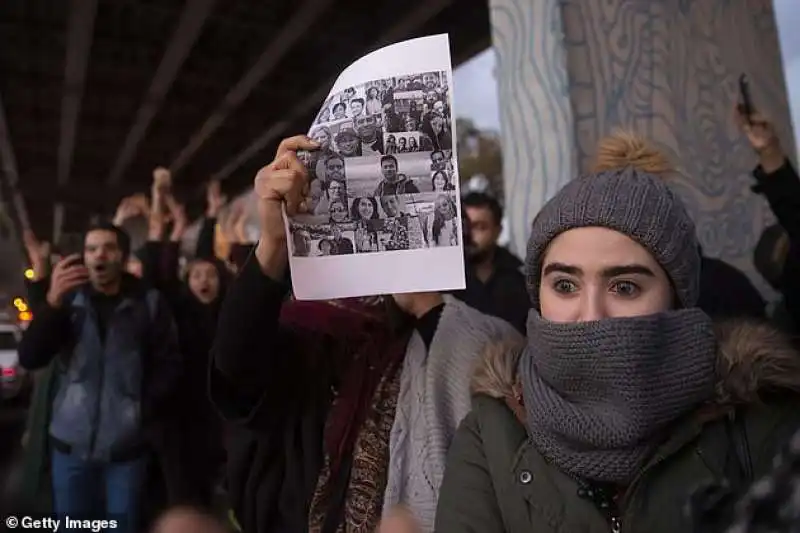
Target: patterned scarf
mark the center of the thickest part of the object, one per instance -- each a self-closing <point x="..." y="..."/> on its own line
<point x="361" y="417"/>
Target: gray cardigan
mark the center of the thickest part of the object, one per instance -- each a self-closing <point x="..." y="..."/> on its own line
<point x="434" y="397"/>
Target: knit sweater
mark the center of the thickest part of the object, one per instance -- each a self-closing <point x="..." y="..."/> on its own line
<point x="434" y="397"/>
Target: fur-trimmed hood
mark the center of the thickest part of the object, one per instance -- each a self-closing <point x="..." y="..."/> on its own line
<point x="753" y="358"/>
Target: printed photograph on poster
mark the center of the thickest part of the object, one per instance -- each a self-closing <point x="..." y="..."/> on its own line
<point x="383" y="215"/>
<point x="322" y="240"/>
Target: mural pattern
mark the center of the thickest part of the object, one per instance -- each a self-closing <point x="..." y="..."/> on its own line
<point x="667" y="69"/>
<point x="536" y="117"/>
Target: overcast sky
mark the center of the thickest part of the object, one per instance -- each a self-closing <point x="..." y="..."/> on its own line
<point x="476" y="91"/>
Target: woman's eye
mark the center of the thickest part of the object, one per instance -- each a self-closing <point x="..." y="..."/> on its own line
<point x="627" y="289"/>
<point x="564" y="286"/>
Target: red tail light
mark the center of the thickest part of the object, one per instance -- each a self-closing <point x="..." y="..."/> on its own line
<point x="9" y="372"/>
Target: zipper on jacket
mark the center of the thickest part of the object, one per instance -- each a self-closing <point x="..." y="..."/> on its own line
<point x="602" y="496"/>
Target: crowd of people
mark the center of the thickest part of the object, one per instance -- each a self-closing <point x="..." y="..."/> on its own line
<point x="615" y="379"/>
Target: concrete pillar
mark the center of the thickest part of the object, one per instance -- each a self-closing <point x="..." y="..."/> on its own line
<point x="569" y="71"/>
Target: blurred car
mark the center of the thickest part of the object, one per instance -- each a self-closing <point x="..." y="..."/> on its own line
<point x="14" y="380"/>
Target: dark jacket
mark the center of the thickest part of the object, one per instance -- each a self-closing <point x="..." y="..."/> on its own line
<point x="275" y="385"/>
<point x="497" y="482"/>
<point x="781" y="189"/>
<point x="276" y="401"/>
<point x="727" y="292"/>
<point x="503" y="295"/>
<point x="137" y="360"/>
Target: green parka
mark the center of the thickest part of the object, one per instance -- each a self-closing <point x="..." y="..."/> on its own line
<point x="497" y="482"/>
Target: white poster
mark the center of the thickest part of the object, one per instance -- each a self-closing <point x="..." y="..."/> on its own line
<point x="385" y="216"/>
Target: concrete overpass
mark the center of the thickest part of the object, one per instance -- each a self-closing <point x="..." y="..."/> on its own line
<point x="96" y="93"/>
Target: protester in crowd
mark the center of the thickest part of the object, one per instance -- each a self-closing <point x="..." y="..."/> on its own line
<point x="234" y="233"/>
<point x="625" y="396"/>
<point x="341" y="409"/>
<point x="495" y="284"/>
<point x="117" y="355"/>
<point x="136" y="207"/>
<point x="777" y="180"/>
<point x="196" y="431"/>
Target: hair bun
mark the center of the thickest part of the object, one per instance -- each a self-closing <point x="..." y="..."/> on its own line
<point x="627" y="149"/>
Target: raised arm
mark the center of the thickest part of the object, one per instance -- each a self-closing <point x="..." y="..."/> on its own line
<point x="252" y="366"/>
<point x="50" y="330"/>
<point x="215" y="200"/>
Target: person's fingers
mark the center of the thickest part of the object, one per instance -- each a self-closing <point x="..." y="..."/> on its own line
<point x="77" y="271"/>
<point x="68" y="261"/>
<point x="73" y="281"/>
<point x="293" y="144"/>
<point x="276" y="184"/>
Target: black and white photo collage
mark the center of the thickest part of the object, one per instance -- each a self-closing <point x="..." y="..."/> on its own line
<point x="384" y="178"/>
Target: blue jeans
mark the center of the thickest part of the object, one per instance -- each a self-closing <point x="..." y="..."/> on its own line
<point x="80" y="488"/>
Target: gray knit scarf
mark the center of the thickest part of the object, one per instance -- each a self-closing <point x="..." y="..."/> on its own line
<point x="596" y="393"/>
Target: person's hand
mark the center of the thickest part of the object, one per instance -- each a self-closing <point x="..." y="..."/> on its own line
<point x="282" y="184"/>
<point x="162" y="178"/>
<point x="38" y="252"/>
<point x="215" y="200"/>
<point x="762" y="137"/>
<point x="68" y="274"/>
<point x="126" y="210"/>
<point x="399" y="520"/>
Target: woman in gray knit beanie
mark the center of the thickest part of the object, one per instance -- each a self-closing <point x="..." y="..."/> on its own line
<point x="625" y="397"/>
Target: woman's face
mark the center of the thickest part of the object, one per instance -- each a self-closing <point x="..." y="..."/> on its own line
<point x="437" y="123"/>
<point x="411" y="125"/>
<point x="365" y="209"/>
<point x="323" y="138"/>
<point x="338" y="212"/>
<point x="348" y="145"/>
<point x="372" y="92"/>
<point x="204" y="281"/>
<point x="439" y="182"/>
<point x="335" y="189"/>
<point x="338" y="111"/>
<point x="595" y="273"/>
<point x="443" y="207"/>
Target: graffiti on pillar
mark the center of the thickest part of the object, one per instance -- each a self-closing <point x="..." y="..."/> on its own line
<point x="669" y="70"/>
<point x="536" y="119"/>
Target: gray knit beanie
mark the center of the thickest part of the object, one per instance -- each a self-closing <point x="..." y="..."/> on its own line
<point x="633" y="202"/>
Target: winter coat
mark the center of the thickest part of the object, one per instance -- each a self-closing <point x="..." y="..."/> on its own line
<point x="497" y="482"/>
